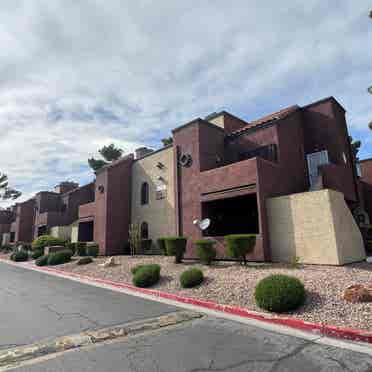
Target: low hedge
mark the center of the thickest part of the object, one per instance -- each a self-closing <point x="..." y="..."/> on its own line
<point x="19" y="256"/>
<point x="59" y="258"/>
<point x="161" y="245"/>
<point x="92" y="249"/>
<point x="205" y="250"/>
<point x="46" y="241"/>
<point x="7" y="248"/>
<point x="239" y="245"/>
<point x="191" y="278"/>
<point x="176" y="246"/>
<point x="280" y="293"/>
<point x="84" y="260"/>
<point x="38" y="253"/>
<point x="42" y="261"/>
<point x="81" y="249"/>
<point x="146" y="275"/>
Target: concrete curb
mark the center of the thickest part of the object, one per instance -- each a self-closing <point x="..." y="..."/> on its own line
<point x="317" y="329"/>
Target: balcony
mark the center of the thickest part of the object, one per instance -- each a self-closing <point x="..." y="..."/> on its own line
<point x="235" y="179"/>
<point x="50" y="219"/>
<point x="87" y="211"/>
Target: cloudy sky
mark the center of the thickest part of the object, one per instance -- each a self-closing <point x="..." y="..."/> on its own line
<point x="78" y="74"/>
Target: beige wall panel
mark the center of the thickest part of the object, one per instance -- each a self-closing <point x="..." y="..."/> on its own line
<point x="315" y="226"/>
<point x="159" y="213"/>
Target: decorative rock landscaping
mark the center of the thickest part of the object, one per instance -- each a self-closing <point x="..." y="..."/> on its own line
<point x="234" y="284"/>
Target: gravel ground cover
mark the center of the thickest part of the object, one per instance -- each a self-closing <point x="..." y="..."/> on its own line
<point x="234" y="284"/>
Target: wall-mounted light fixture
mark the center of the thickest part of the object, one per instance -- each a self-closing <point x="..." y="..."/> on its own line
<point x="101" y="189"/>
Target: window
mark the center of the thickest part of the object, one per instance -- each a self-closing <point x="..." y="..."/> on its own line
<point x="144" y="230"/>
<point x="145" y="193"/>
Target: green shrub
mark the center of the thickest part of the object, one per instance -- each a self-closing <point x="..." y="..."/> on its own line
<point x="72" y="247"/>
<point x="59" y="258"/>
<point x="239" y="245"/>
<point x="134" y="269"/>
<point x="36" y="254"/>
<point x="7" y="248"/>
<point x="176" y="246"/>
<point x="191" y="278"/>
<point x="92" y="249"/>
<point x="280" y="293"/>
<point x="46" y="241"/>
<point x="84" y="260"/>
<point x="81" y="249"/>
<point x="146" y="276"/>
<point x="161" y="245"/>
<point x="19" y="256"/>
<point x="42" y="261"/>
<point x="205" y="250"/>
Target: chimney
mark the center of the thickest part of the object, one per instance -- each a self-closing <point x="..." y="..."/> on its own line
<point x="142" y="151"/>
<point x="66" y="186"/>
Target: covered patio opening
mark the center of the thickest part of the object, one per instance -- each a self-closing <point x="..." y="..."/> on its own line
<point x="42" y="230"/>
<point x="86" y="230"/>
<point x="237" y="215"/>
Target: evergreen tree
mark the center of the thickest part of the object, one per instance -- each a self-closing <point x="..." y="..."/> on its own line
<point x="7" y="192"/>
<point x="109" y="153"/>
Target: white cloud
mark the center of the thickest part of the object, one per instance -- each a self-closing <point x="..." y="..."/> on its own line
<point x="77" y="75"/>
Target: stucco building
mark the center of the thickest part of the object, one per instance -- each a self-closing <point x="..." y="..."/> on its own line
<point x="235" y="173"/>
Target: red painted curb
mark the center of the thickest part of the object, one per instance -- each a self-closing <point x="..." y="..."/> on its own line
<point x="316" y="328"/>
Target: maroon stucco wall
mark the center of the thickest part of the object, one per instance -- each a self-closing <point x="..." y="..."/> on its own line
<point x="24" y="223"/>
<point x="325" y="128"/>
<point x="366" y="185"/>
<point x="112" y="206"/>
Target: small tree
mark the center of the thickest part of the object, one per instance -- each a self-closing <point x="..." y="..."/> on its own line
<point x="109" y="153"/>
<point x="7" y="192"/>
<point x="239" y="245"/>
<point x="167" y="141"/>
<point x="134" y="238"/>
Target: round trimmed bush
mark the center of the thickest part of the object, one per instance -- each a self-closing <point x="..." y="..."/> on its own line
<point x="146" y="276"/>
<point x="59" y="258"/>
<point x="191" y="278"/>
<point x="19" y="256"/>
<point x="205" y="250"/>
<point x="42" y="261"/>
<point x="176" y="246"/>
<point x="134" y="269"/>
<point x="46" y="241"/>
<point x="84" y="260"/>
<point x="280" y="293"/>
<point x="92" y="249"/>
<point x="36" y="254"/>
<point x="239" y="245"/>
<point x="81" y="249"/>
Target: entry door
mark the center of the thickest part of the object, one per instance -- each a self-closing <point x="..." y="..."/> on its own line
<point x="314" y="161"/>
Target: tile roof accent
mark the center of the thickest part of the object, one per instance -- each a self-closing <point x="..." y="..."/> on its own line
<point x="281" y="114"/>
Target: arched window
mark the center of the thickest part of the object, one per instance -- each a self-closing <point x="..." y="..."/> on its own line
<point x="145" y="193"/>
<point x="144" y="230"/>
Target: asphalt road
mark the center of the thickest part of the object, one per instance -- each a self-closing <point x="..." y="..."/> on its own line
<point x="35" y="306"/>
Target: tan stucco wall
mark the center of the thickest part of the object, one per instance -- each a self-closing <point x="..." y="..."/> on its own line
<point x="5" y="239"/>
<point x="61" y="232"/>
<point x="317" y="227"/>
<point x="218" y="120"/>
<point x="74" y="232"/>
<point x="159" y="214"/>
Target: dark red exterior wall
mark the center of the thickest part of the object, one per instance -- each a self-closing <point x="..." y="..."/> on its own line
<point x="112" y="207"/>
<point x="325" y="129"/>
<point x="200" y="139"/>
<point x="366" y="185"/>
<point x="24" y="223"/>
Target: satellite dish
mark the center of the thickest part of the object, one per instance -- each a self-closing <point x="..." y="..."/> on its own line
<point x="203" y="224"/>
